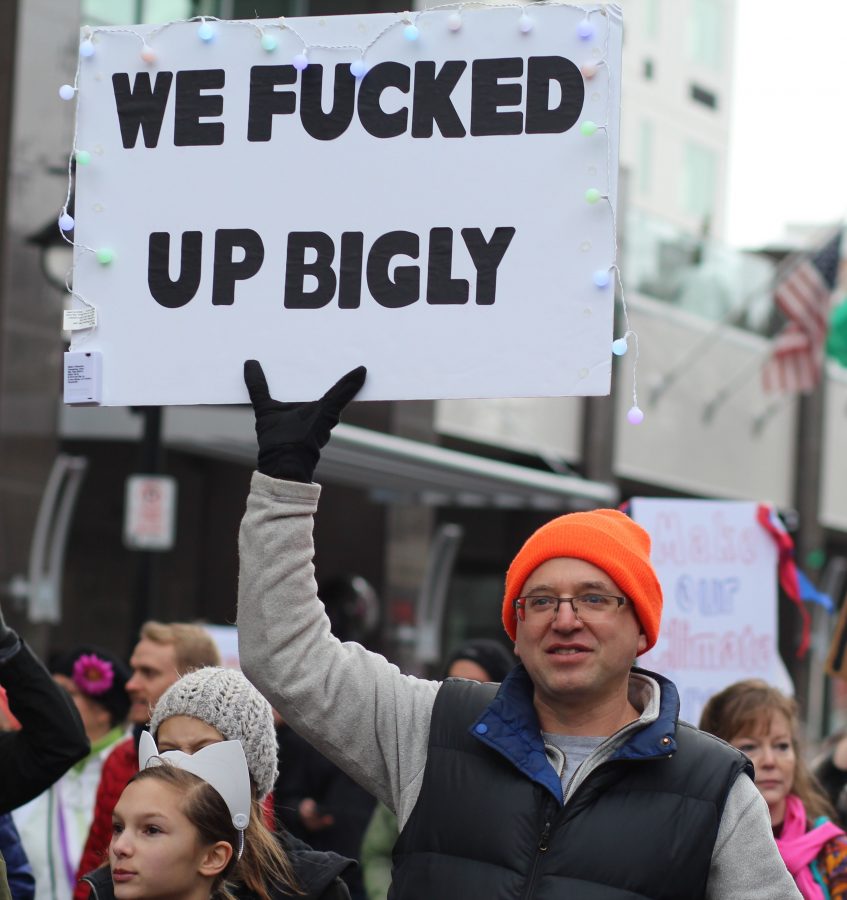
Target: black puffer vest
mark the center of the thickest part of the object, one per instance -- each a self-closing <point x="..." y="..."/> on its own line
<point x="640" y="826"/>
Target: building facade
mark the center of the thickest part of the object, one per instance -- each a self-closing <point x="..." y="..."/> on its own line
<point x="426" y="501"/>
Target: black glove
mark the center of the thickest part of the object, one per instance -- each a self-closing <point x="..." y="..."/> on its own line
<point x="291" y="434"/>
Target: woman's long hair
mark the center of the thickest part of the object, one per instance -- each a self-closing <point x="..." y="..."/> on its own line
<point x="264" y="864"/>
<point x="747" y="707"/>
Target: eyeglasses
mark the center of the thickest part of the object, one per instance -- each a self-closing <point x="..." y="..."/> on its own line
<point x="585" y="607"/>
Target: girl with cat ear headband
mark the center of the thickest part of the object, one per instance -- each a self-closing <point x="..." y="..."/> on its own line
<point x="178" y="827"/>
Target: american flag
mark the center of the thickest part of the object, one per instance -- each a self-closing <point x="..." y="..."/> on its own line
<point x="803" y="295"/>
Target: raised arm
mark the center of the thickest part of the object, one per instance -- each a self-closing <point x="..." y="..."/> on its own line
<point x="352" y="705"/>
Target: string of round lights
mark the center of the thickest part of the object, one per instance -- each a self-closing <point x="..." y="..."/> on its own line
<point x="586" y="32"/>
<point x="270" y="41"/>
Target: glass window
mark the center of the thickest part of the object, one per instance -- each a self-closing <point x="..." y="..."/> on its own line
<point x="129" y="12"/>
<point x="156" y="11"/>
<point x="703" y="95"/>
<point x="108" y="12"/>
<point x="645" y="157"/>
<point x="136" y="12"/>
<point x="267" y="9"/>
<point x="699" y="180"/>
<point x="470" y="611"/>
<point x="651" y="18"/>
<point x="705" y="33"/>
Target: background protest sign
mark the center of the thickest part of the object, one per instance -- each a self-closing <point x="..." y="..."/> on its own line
<point x="417" y="193"/>
<point x="718" y="571"/>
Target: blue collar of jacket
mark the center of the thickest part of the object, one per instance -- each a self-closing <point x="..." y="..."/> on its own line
<point x="509" y="725"/>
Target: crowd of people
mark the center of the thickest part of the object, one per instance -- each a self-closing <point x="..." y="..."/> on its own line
<point x="554" y="767"/>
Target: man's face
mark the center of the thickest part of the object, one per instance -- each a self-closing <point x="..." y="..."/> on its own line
<point x="573" y="662"/>
<point x="154" y="670"/>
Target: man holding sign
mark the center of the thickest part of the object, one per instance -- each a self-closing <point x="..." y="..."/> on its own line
<point x="572" y="778"/>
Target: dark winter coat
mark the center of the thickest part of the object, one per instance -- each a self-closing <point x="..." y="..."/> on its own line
<point x="51" y="738"/>
<point x="304" y="772"/>
<point x="642" y="825"/>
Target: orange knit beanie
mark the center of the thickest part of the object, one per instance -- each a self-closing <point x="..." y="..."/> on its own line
<point x="608" y="539"/>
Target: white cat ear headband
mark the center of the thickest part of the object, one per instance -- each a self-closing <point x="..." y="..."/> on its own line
<point x="222" y="766"/>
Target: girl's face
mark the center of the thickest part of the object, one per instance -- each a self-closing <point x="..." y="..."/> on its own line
<point x="155" y="850"/>
<point x="771" y="750"/>
<point x="187" y="734"/>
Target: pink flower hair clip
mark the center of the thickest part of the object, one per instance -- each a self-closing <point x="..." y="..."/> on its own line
<point x="92" y="675"/>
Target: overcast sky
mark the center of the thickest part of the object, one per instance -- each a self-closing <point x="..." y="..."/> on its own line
<point x="788" y="148"/>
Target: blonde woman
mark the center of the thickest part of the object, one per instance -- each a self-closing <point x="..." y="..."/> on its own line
<point x="762" y="722"/>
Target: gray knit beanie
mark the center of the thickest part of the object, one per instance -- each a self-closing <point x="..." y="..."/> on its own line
<point x="225" y="699"/>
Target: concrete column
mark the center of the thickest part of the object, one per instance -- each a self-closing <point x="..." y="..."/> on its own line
<point x="810" y="533"/>
<point x="409" y="529"/>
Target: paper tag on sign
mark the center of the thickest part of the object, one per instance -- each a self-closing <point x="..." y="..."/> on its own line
<point x="76" y="319"/>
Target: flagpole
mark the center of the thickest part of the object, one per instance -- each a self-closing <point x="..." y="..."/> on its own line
<point x="809" y="449"/>
<point x="728" y="389"/>
<point x="767" y="414"/>
<point x="807" y="495"/>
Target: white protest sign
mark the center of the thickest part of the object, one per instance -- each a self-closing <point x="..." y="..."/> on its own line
<point x="422" y="193"/>
<point x="718" y="571"/>
<point x="226" y="640"/>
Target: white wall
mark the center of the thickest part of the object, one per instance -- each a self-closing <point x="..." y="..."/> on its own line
<point x="746" y="450"/>
<point x="677" y="446"/>
<point x="536" y="426"/>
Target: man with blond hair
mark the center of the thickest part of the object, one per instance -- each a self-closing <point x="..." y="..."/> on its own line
<point x="164" y="653"/>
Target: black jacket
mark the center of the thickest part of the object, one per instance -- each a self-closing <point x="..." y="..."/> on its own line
<point x="51" y="738"/>
<point x="318" y="875"/>
<point x="304" y="772"/>
<point x="834" y="781"/>
<point x="487" y="824"/>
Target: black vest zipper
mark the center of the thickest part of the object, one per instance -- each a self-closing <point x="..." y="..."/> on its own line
<point x="543" y="845"/>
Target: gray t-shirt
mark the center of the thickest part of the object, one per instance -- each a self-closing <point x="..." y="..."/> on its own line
<point x="575" y="751"/>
